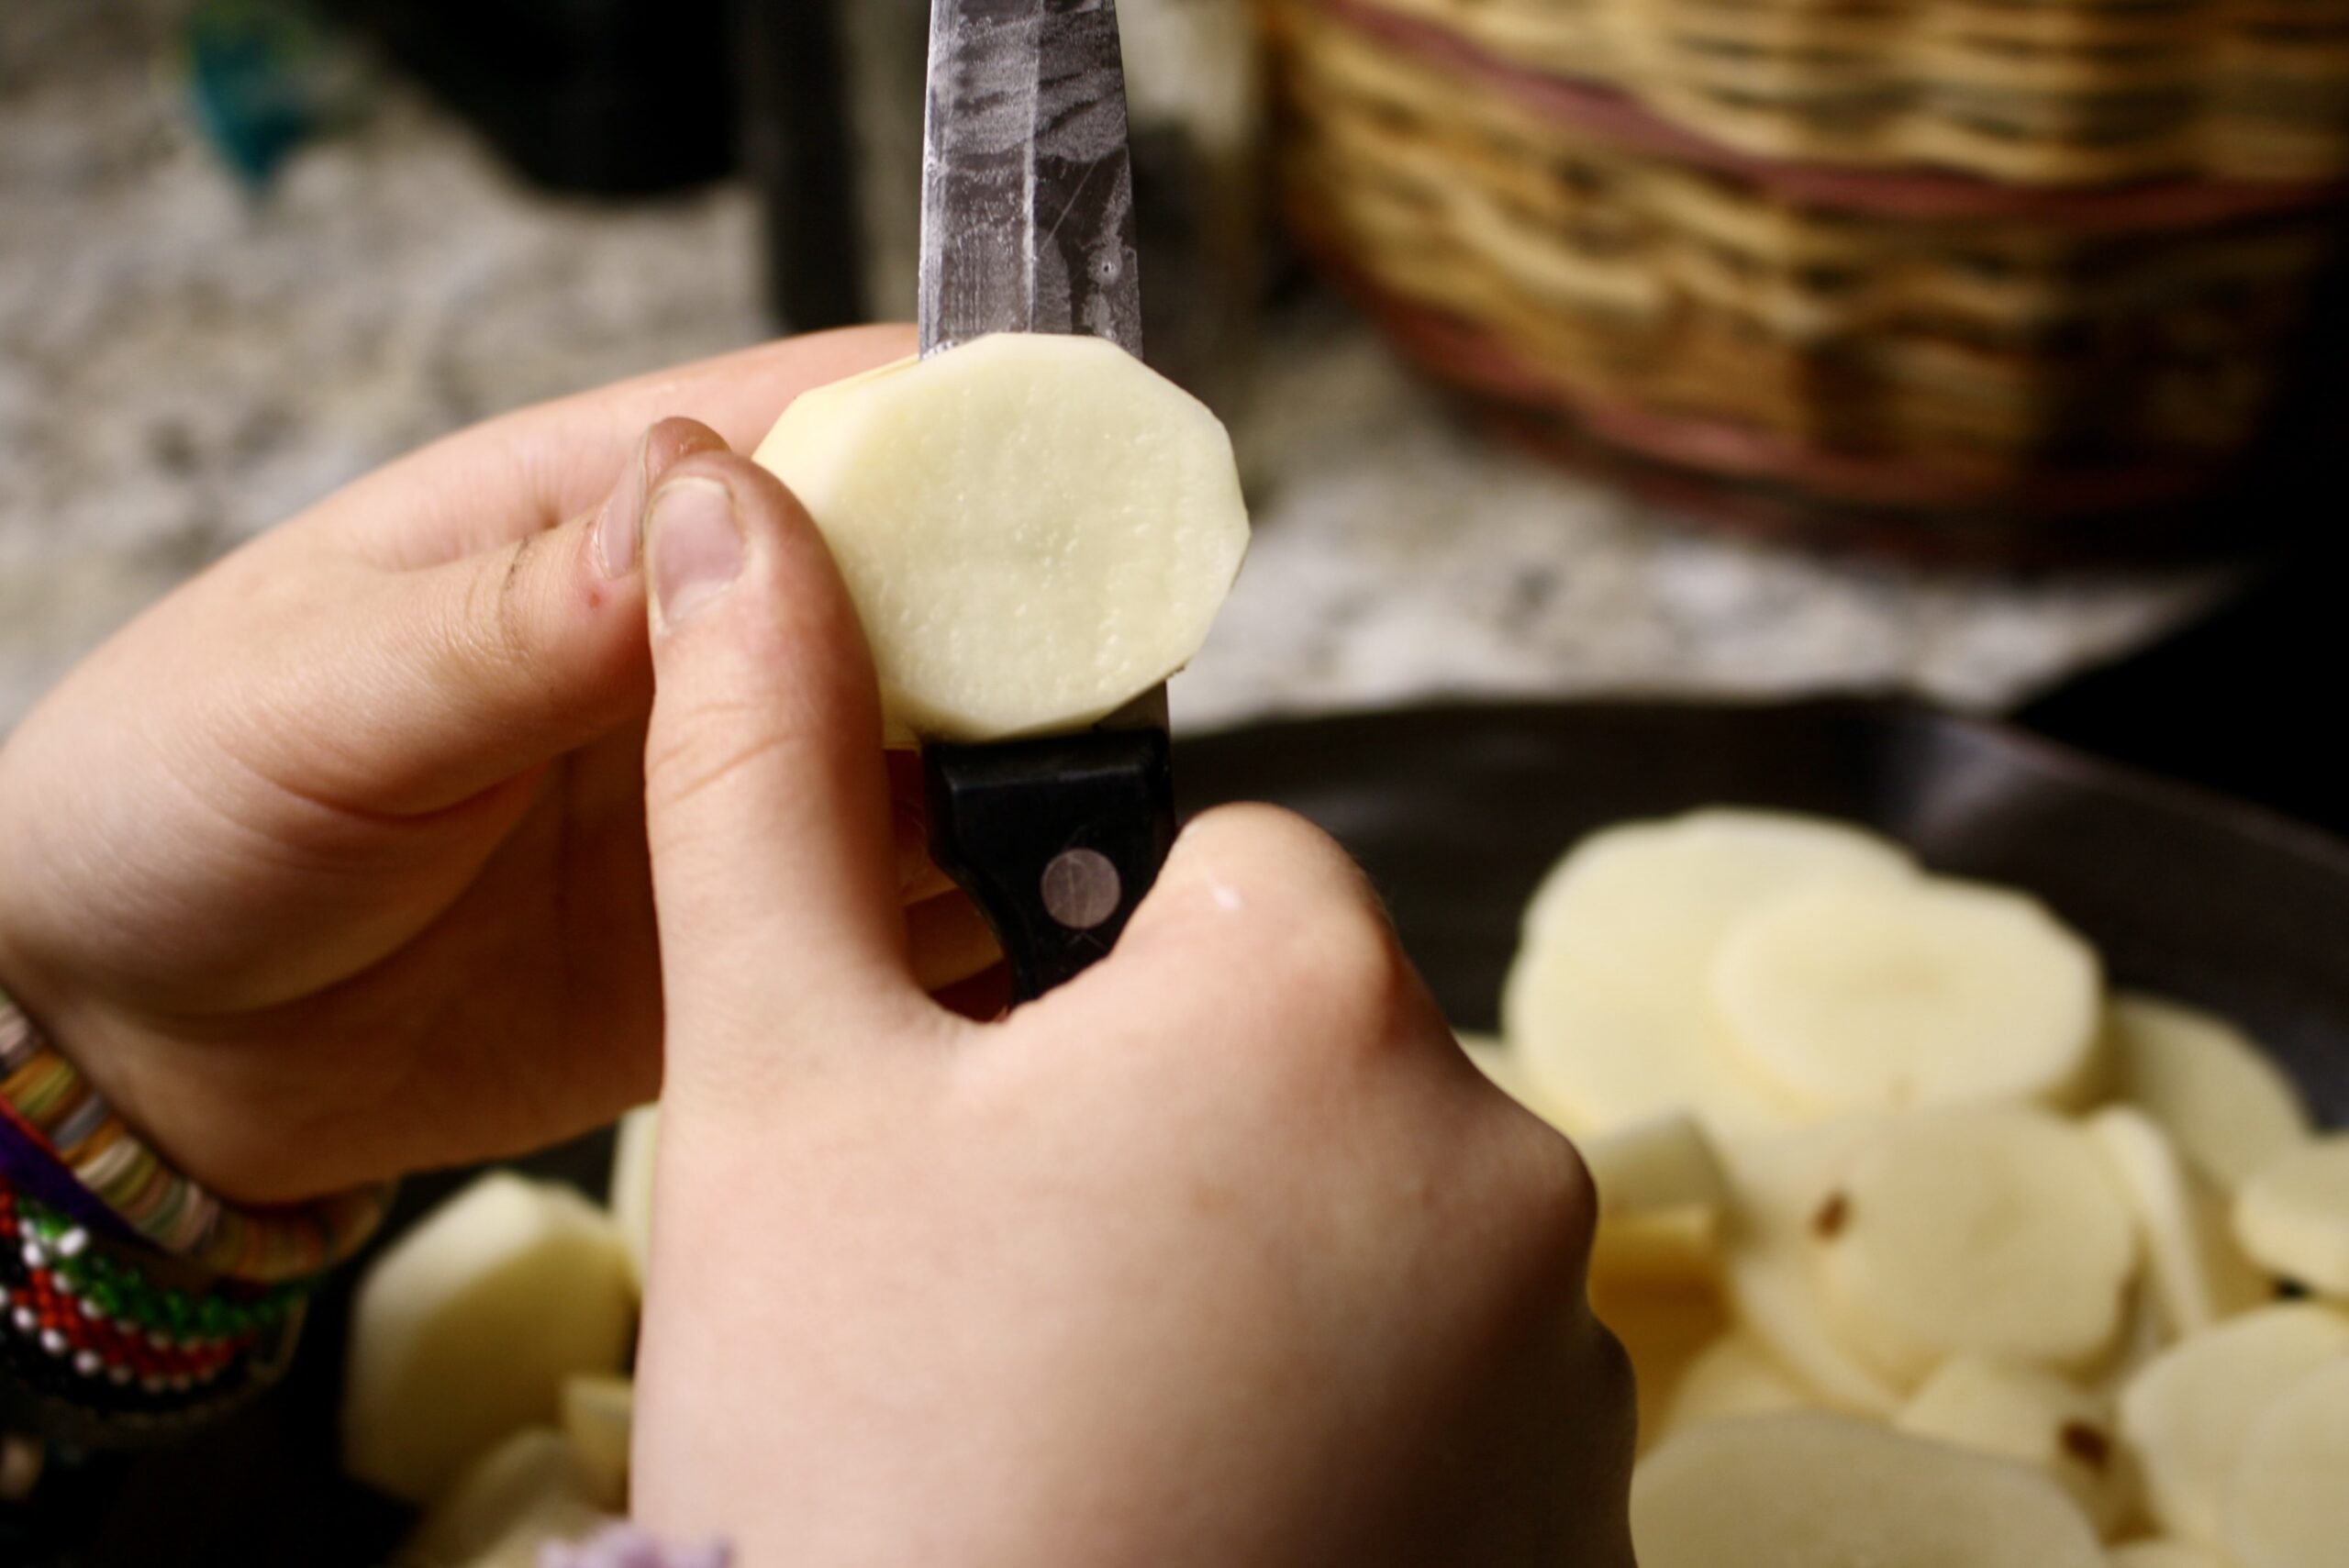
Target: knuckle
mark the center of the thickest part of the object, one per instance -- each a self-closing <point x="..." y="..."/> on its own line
<point x="708" y="752"/>
<point x="1545" y="1192"/>
<point x="490" y="632"/>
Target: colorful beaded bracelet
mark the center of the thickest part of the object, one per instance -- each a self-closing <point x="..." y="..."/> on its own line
<point x="90" y="1377"/>
<point x="49" y="1102"/>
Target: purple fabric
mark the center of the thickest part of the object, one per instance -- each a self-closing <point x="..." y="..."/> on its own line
<point x="34" y="1171"/>
<point x="625" y="1546"/>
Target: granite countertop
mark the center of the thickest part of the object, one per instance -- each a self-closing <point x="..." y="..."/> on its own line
<point x="182" y="366"/>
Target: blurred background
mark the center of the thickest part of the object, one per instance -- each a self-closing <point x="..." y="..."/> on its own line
<point x="1709" y="348"/>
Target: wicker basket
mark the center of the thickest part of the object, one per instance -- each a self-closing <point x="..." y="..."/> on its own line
<point x="1902" y="339"/>
<point x="2029" y="91"/>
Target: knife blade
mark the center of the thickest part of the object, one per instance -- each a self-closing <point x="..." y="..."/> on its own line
<point x="1028" y="190"/>
<point x="1028" y="225"/>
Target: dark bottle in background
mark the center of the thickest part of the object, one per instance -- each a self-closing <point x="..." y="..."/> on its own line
<point x="599" y="97"/>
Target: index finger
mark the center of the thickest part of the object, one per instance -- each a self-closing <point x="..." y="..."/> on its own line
<point x="532" y="470"/>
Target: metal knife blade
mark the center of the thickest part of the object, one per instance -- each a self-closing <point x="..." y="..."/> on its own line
<point x="1027" y="188"/>
<point x="1028" y="225"/>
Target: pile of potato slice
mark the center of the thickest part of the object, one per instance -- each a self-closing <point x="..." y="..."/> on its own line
<point x="1927" y="1253"/>
<point x="488" y="1373"/>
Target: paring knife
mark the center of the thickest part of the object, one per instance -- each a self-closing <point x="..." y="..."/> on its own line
<point x="1028" y="225"/>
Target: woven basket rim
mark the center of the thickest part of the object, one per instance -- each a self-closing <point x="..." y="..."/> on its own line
<point x="1613" y="116"/>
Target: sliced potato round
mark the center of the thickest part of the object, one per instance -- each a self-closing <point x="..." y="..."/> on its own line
<point x="1665" y="1164"/>
<point x="1890" y="996"/>
<point x="1606" y="1001"/>
<point x="2187" y="1415"/>
<point x="1656" y="898"/>
<point x="1785" y="1186"/>
<point x="2224" y="1102"/>
<point x="2287" y="1503"/>
<point x="2199" y="1276"/>
<point x="1035" y="528"/>
<point x="2293" y="1217"/>
<point x="2033" y="1418"/>
<point x="2164" y="1553"/>
<point x="1815" y="1490"/>
<point x="1993" y="1231"/>
<point x="465" y="1329"/>
<point x="1664" y="1330"/>
<point x="1734" y="1376"/>
<point x="629" y="1194"/>
<point x="1605" y="1053"/>
<point x="532" y="1476"/>
<point x="1666" y="1247"/>
<point x="598" y="1421"/>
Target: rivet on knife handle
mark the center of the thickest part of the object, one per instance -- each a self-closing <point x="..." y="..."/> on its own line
<point x="1057" y="841"/>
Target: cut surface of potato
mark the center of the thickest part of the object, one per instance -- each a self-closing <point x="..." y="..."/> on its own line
<point x="2287" y="1503"/>
<point x="2163" y="1555"/>
<point x="2293" y="1217"/>
<point x="1992" y="1231"/>
<point x="1666" y="1163"/>
<point x="2224" y="1102"/>
<point x="598" y="1419"/>
<point x="2197" y="1274"/>
<point x="2033" y="1418"/>
<point x="1664" y="1330"/>
<point x="465" y="1329"/>
<point x="2187" y="1415"/>
<point x="1035" y="528"/>
<point x="631" y="1192"/>
<point x="1815" y="1490"/>
<point x="1607" y="1000"/>
<point x="1734" y="1376"/>
<point x="1785" y="1186"/>
<point x="1892" y="995"/>
<point x="1671" y="1247"/>
<point x="530" y="1475"/>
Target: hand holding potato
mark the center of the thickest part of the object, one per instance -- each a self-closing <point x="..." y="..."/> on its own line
<point x="1224" y="1254"/>
<point x="331" y="866"/>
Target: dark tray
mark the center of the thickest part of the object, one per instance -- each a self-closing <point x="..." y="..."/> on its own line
<point x="1457" y="813"/>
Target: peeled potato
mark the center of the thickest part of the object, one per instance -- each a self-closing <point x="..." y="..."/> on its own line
<point x="1605" y="1002"/>
<point x="2197" y="1274"/>
<point x="1664" y="1330"/>
<point x="1734" y="1376"/>
<point x="1815" y="1490"/>
<point x="1667" y="1163"/>
<point x="2288" y="1504"/>
<point x="532" y="1478"/>
<point x="599" y="1416"/>
<point x="1671" y="1247"/>
<point x="1036" y="529"/>
<point x="2224" y="1101"/>
<point x="1785" y="1187"/>
<point x="631" y="1192"/>
<point x="2186" y="1415"/>
<point x="1994" y="1232"/>
<point x="1883" y="996"/>
<point x="2293" y="1217"/>
<point x="2164" y="1554"/>
<point x="465" y="1331"/>
<point x="559" y="1522"/>
<point x="2033" y="1417"/>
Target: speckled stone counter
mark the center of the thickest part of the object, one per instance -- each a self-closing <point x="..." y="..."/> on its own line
<point x="181" y="367"/>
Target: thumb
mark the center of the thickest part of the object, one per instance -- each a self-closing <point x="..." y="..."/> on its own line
<point x="444" y="683"/>
<point x="767" y="800"/>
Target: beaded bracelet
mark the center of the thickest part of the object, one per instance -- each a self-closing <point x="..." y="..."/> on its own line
<point x="49" y="1102"/>
<point x="95" y="1349"/>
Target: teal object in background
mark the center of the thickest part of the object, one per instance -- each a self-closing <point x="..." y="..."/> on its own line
<point x="263" y="78"/>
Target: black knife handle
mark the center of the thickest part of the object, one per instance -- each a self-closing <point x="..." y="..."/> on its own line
<point x="1056" y="840"/>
